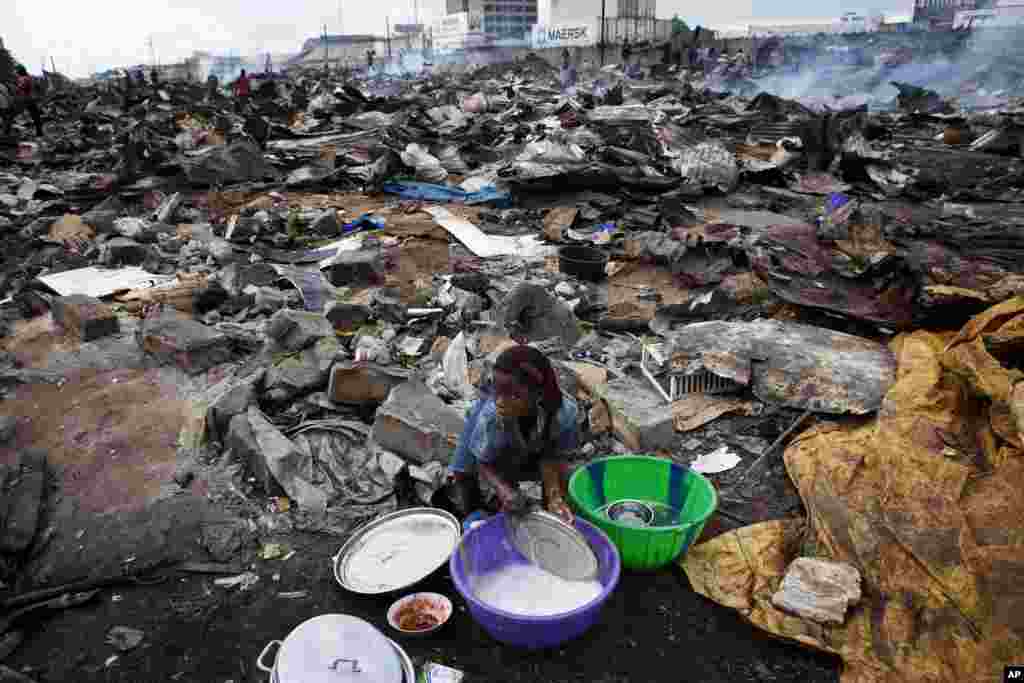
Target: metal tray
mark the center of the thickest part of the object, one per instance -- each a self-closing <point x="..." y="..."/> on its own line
<point x="396" y="551"/>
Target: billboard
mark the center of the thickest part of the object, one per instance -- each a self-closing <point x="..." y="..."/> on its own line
<point x="576" y="34"/>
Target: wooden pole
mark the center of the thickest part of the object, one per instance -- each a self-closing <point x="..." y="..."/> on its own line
<point x="602" y="31"/>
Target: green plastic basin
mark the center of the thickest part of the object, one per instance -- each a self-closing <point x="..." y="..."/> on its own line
<point x="656" y="480"/>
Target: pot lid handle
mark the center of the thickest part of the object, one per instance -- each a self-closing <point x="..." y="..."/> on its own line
<point x="340" y="663"/>
<point x="259" y="660"/>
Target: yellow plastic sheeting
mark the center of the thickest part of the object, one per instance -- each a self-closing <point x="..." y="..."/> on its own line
<point x="925" y="500"/>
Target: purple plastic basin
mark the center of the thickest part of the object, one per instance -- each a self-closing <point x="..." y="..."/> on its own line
<point x="488" y="549"/>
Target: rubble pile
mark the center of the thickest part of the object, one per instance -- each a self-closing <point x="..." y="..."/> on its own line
<point x="344" y="260"/>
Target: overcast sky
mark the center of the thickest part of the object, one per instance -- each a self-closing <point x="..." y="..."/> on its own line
<point x="84" y="37"/>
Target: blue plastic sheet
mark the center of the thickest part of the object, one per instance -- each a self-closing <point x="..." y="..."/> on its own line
<point x="367" y="221"/>
<point x="442" y="193"/>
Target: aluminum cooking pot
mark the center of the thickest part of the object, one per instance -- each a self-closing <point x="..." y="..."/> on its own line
<point x="333" y="648"/>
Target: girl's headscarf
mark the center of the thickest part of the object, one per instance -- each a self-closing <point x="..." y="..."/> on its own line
<point x="534" y="370"/>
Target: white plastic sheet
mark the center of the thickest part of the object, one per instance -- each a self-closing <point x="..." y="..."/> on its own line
<point x="100" y="282"/>
<point x="487" y="246"/>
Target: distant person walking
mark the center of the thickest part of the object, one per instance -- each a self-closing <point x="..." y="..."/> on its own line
<point x="243" y="90"/>
<point x="370" y="54"/>
<point x="568" y="75"/>
<point x="24" y="100"/>
<point x="627" y="52"/>
<point x="212" y="86"/>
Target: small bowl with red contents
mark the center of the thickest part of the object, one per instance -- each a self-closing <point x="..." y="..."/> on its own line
<point x="420" y="614"/>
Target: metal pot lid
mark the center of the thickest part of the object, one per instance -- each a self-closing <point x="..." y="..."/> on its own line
<point x="333" y="648"/>
<point x="397" y="550"/>
<point x="553" y="545"/>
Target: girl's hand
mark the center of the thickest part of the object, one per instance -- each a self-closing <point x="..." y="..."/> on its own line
<point x="558" y="506"/>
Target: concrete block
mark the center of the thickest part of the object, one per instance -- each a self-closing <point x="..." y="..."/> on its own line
<point x="242" y="443"/>
<point x="294" y="330"/>
<point x="190" y="345"/>
<point x="298" y="374"/>
<point x="24" y="493"/>
<point x="84" y="317"/>
<point x="347" y="318"/>
<point x="417" y="425"/>
<point x="241" y="229"/>
<point x="121" y="251"/>
<point x="352" y="268"/>
<point x="232" y="396"/>
<point x="326" y="224"/>
<point x="353" y="382"/>
<point x="640" y="417"/>
<point x="8" y="428"/>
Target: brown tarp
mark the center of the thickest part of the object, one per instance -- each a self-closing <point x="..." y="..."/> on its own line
<point x="925" y="500"/>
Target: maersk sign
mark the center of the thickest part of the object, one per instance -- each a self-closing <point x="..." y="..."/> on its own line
<point x="563" y="36"/>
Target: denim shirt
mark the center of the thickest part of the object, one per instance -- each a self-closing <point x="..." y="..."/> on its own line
<point x="479" y="440"/>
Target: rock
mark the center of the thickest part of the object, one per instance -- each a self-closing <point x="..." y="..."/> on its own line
<point x="228" y="164"/>
<point x="237" y="276"/>
<point x="241" y="229"/>
<point x="363" y="382"/>
<point x="295" y="330"/>
<point x="790" y="364"/>
<point x="557" y="221"/>
<point x="130" y="227"/>
<point x="357" y="268"/>
<point x="242" y="443"/>
<point x="348" y="317"/>
<point x="103" y="216"/>
<point x="297" y="374"/>
<point x="159" y="233"/>
<point x="192" y="346"/>
<point x="9" y="675"/>
<point x="123" y="638"/>
<point x="531" y="311"/>
<point x="224" y="541"/>
<point x="121" y="251"/>
<point x="564" y="290"/>
<point x="84" y="317"/>
<point x="640" y="417"/>
<point x="417" y="425"/>
<point x="267" y="300"/>
<point x="469" y="306"/>
<point x="819" y="590"/>
<point x="290" y="466"/>
<point x="478" y="283"/>
<point x="327" y="224"/>
<point x="28" y="189"/>
<point x="8" y="428"/>
<point x="165" y="212"/>
<point x="232" y="396"/>
<point x="23" y="493"/>
<point x="221" y="251"/>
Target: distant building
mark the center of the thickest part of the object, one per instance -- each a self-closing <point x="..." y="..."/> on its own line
<point x="939" y="15"/>
<point x="498" y="19"/>
<point x="338" y="50"/>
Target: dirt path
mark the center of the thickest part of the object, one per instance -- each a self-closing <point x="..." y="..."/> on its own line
<point x="654" y="629"/>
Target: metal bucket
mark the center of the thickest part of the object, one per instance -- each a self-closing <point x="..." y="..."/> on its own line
<point x="632" y="512"/>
